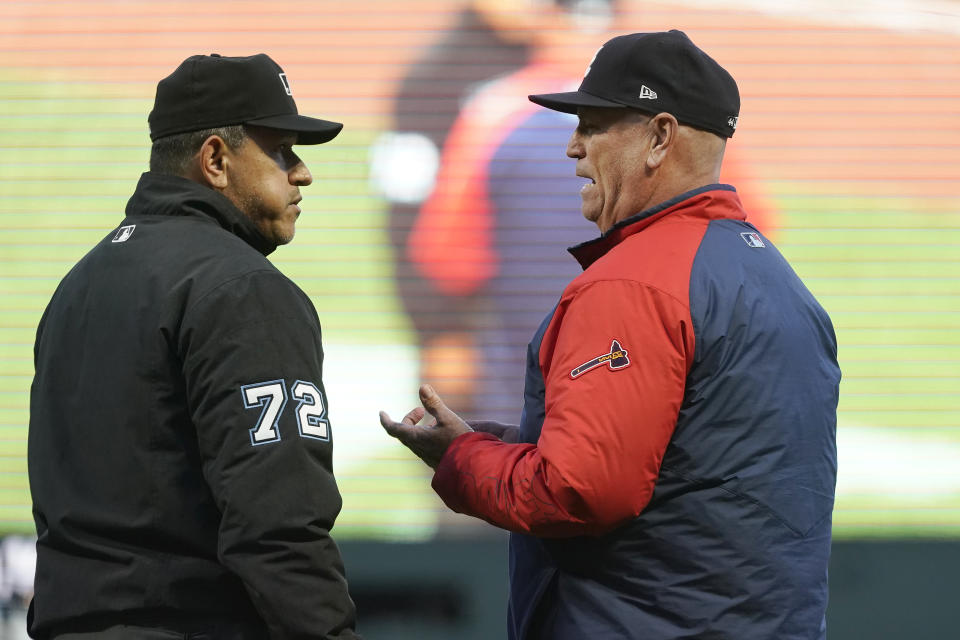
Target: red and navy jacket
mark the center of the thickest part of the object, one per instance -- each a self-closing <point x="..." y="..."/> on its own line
<point x="678" y="468"/>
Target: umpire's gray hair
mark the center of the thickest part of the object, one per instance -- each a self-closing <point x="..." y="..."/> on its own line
<point x="171" y="155"/>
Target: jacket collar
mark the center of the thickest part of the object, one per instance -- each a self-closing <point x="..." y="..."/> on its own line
<point x="164" y="195"/>
<point x="720" y="198"/>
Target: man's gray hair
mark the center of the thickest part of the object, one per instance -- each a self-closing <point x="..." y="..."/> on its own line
<point x="171" y="155"/>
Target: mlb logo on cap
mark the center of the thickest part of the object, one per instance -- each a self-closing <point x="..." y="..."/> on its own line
<point x="286" y="83"/>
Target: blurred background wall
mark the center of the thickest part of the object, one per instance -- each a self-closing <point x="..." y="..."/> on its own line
<point x="432" y="244"/>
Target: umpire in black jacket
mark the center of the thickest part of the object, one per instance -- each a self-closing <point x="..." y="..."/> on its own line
<point x="179" y="447"/>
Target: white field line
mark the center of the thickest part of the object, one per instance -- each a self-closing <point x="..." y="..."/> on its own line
<point x="896" y="463"/>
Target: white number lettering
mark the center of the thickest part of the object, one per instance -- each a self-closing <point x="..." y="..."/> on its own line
<point x="311" y="412"/>
<point x="272" y="396"/>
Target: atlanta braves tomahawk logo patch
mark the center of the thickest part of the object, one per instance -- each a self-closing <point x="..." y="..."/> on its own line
<point x="616" y="359"/>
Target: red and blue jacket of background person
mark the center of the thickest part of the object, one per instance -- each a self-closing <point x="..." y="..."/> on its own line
<point x="678" y="472"/>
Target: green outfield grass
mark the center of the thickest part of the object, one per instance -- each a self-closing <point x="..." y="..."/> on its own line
<point x="887" y="270"/>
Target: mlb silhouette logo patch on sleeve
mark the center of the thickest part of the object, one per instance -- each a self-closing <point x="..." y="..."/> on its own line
<point x="753" y="240"/>
<point x="615" y="359"/>
<point x="123" y="233"/>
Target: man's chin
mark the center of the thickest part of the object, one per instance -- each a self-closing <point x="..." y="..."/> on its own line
<point x="282" y="237"/>
<point x="592" y="215"/>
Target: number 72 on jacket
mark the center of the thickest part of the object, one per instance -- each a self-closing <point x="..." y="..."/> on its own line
<point x="271" y="396"/>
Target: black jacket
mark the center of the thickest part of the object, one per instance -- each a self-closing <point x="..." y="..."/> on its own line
<point x="179" y="449"/>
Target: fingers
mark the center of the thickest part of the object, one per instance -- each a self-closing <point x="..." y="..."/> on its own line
<point x="389" y="425"/>
<point x="407" y="427"/>
<point x="428" y="441"/>
<point x="433" y="404"/>
<point x="414" y="416"/>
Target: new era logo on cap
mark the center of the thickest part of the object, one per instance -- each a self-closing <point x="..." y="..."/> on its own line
<point x="286" y="83"/>
<point x="646" y="93"/>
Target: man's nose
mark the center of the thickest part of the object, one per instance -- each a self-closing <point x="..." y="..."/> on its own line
<point x="300" y="175"/>
<point x="574" y="146"/>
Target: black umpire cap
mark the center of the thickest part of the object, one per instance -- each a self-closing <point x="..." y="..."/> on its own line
<point x="205" y="92"/>
<point x="656" y="72"/>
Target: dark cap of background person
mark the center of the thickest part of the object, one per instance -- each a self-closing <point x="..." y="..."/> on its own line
<point x="655" y="73"/>
<point x="206" y="92"/>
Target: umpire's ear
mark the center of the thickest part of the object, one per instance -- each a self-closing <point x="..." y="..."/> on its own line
<point x="211" y="163"/>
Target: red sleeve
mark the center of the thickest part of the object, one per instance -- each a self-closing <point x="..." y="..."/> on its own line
<point x="452" y="238"/>
<point x="606" y="428"/>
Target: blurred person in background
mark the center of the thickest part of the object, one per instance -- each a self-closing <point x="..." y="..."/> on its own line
<point x="480" y="240"/>
<point x="673" y="472"/>
<point x="489" y="38"/>
<point x="482" y="256"/>
<point x="179" y="448"/>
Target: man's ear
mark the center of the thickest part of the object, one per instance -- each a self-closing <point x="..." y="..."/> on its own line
<point x="665" y="130"/>
<point x="212" y="161"/>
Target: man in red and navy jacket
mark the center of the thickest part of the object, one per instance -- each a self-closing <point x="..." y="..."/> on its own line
<point x="673" y="472"/>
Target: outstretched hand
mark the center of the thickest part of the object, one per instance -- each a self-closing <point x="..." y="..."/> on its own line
<point x="431" y="439"/>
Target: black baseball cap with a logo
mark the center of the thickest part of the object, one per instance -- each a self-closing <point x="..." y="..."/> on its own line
<point x="205" y="92"/>
<point x="655" y="73"/>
